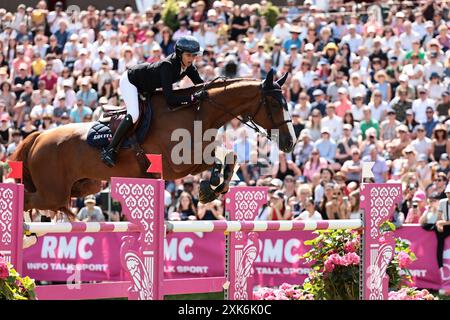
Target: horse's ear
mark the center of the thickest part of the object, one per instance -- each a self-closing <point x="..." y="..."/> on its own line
<point x="268" y="82"/>
<point x="282" y="80"/>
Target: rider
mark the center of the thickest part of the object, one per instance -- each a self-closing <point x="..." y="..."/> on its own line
<point x="146" y="78"/>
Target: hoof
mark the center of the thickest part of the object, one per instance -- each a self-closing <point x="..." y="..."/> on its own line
<point x="206" y="193"/>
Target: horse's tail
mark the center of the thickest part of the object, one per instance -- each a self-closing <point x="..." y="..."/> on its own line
<point x="21" y="154"/>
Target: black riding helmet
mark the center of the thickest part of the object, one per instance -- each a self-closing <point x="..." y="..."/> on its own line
<point x="187" y="44"/>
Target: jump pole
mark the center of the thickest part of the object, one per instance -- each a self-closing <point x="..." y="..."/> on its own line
<point x="142" y="203"/>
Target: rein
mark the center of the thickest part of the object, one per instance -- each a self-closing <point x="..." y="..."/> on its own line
<point x="248" y="120"/>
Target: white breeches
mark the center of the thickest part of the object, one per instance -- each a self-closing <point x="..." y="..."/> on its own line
<point x="130" y="96"/>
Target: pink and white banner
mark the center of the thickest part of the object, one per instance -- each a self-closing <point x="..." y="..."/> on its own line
<point x="96" y="257"/>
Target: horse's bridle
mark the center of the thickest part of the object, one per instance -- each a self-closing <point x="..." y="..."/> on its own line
<point x="249" y="120"/>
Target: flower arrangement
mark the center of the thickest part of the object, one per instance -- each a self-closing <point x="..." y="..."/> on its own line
<point x="12" y="286"/>
<point x="411" y="294"/>
<point x="284" y="292"/>
<point x="335" y="263"/>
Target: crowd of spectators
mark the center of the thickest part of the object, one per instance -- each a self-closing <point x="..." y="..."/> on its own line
<point x="365" y="84"/>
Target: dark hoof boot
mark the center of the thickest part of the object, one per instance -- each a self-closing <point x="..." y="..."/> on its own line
<point x="206" y="193"/>
<point x="109" y="157"/>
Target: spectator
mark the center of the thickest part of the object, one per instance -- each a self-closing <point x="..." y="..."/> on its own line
<point x="91" y="212"/>
<point x="278" y="210"/>
<point x="440" y="142"/>
<point x="380" y="168"/>
<point x="310" y="212"/>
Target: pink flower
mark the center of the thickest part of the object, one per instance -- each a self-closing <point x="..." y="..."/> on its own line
<point x="349" y="247"/>
<point x="329" y="264"/>
<point x="403" y="259"/>
<point x="285" y="286"/>
<point x="4" y="270"/>
<point x="353" y="258"/>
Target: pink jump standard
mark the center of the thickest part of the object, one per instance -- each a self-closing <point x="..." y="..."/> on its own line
<point x="142" y="203"/>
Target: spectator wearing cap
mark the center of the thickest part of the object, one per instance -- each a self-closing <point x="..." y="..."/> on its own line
<point x="444" y="164"/>
<point x="380" y="168"/>
<point x="414" y="71"/>
<point x="79" y="111"/>
<point x="404" y="85"/>
<point x="357" y="108"/>
<point x="90" y="212"/>
<point x="416" y="50"/>
<point x="330" y="51"/>
<point x="20" y="79"/>
<point x="435" y="88"/>
<point x="388" y="127"/>
<point x="378" y="106"/>
<point x="420" y="105"/>
<point x="70" y="52"/>
<point x="87" y="94"/>
<point x="352" y="167"/>
<point x="319" y="101"/>
<point x="430" y="122"/>
<point x="303" y="107"/>
<point x="440" y="142"/>
<point x="24" y="103"/>
<point x="54" y="17"/>
<point x="332" y="122"/>
<point x="15" y="138"/>
<point x="443" y="108"/>
<point x="316" y="85"/>
<point x="38" y="111"/>
<point x="102" y="57"/>
<point x="303" y="149"/>
<point x="422" y="144"/>
<point x="356" y="87"/>
<point x="278" y="56"/>
<point x="278" y="210"/>
<point x="49" y="77"/>
<point x="377" y="52"/>
<point x="438" y="185"/>
<point x="428" y="34"/>
<point x="383" y="85"/>
<point x="62" y="35"/>
<point x="20" y="61"/>
<point x="353" y="39"/>
<point x="339" y="82"/>
<point x="309" y="54"/>
<point x="343" y="104"/>
<point x="54" y="47"/>
<point x="345" y="144"/>
<point x="81" y="63"/>
<point x="313" y="166"/>
<point x="408" y="36"/>
<point x="418" y="207"/>
<point x="433" y="66"/>
<point x="326" y="146"/>
<point x="401" y="142"/>
<point x="281" y="28"/>
<point x="294" y="38"/>
<point x="430" y="216"/>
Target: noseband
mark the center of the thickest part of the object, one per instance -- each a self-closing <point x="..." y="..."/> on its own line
<point x="249" y="120"/>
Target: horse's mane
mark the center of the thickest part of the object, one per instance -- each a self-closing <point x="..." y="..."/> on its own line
<point x="219" y="83"/>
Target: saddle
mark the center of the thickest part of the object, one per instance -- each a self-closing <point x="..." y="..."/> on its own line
<point x="102" y="131"/>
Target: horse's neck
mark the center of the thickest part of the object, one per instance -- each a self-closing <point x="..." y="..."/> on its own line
<point x="227" y="102"/>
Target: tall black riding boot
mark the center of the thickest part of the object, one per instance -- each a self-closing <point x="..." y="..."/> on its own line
<point x="110" y="152"/>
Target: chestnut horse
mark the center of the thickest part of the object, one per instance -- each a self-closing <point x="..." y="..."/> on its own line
<point x="59" y="164"/>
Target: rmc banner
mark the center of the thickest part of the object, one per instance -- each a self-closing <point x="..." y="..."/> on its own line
<point x="95" y="257"/>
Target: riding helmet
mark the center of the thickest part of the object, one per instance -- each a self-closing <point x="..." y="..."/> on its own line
<point x="187" y="44"/>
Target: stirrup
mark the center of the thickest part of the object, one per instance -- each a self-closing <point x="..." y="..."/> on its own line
<point x="108" y="157"/>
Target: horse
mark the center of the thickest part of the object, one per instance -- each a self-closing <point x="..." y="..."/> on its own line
<point x="59" y="164"/>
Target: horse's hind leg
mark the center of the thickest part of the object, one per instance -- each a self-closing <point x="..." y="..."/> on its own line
<point x="85" y="187"/>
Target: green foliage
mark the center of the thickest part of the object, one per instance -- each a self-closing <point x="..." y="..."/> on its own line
<point x="334" y="258"/>
<point x="271" y="13"/>
<point x="14" y="287"/>
<point x="169" y="14"/>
